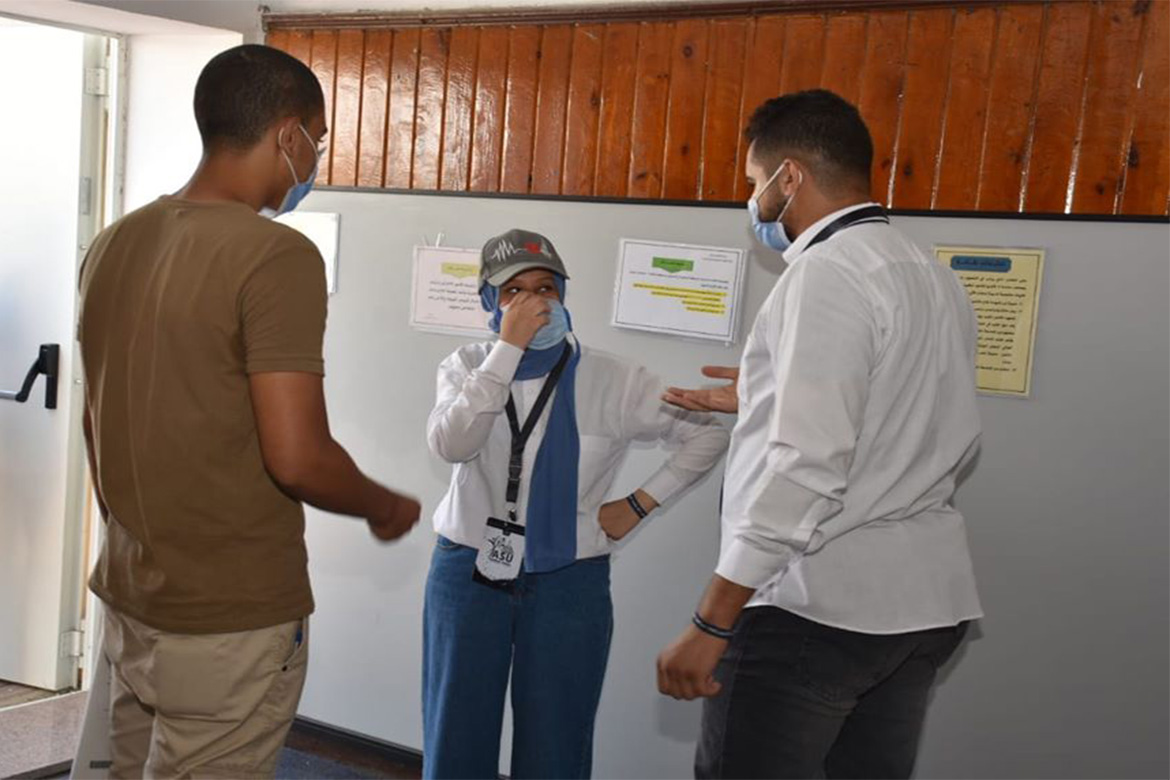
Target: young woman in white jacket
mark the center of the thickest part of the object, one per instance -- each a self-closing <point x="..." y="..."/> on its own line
<point x="535" y="426"/>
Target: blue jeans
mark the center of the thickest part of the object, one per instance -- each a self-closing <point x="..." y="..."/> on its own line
<point x="552" y="633"/>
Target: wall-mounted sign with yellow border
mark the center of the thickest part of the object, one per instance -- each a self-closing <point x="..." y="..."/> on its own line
<point x="1004" y="285"/>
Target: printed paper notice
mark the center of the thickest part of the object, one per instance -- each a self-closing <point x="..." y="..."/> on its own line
<point x="679" y="289"/>
<point x="445" y="296"/>
<point x="1004" y="285"/>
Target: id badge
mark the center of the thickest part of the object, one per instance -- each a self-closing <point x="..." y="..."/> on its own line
<point x="502" y="551"/>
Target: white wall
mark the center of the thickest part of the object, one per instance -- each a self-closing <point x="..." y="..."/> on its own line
<point x="1067" y="676"/>
<point x="162" y="141"/>
<point x="242" y="16"/>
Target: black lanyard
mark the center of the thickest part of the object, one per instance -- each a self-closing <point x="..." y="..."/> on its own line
<point x="520" y="434"/>
<point x="858" y="217"/>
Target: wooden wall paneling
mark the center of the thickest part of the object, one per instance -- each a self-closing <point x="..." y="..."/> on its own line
<point x="347" y="107"/>
<point x="928" y="55"/>
<point x="300" y="45"/>
<point x="1114" y="60"/>
<point x="721" y="166"/>
<point x="1010" y="104"/>
<point x="583" y="110"/>
<point x="323" y="61"/>
<point x="552" y="97"/>
<point x="519" y="109"/>
<point x="763" y="60"/>
<point x="1063" y="58"/>
<point x="399" y="171"/>
<point x="1147" y="172"/>
<point x="375" y="103"/>
<point x="488" y="122"/>
<point x="684" y="116"/>
<point x="844" y="58"/>
<point x="430" y="103"/>
<point x="965" y="121"/>
<point x="651" y="98"/>
<point x="278" y="39"/>
<point x="804" y="53"/>
<point x="880" y="95"/>
<point x="617" y="106"/>
<point x="459" y="104"/>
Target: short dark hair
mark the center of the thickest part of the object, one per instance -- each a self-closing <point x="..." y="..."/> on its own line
<point x="821" y="128"/>
<point x="244" y="90"/>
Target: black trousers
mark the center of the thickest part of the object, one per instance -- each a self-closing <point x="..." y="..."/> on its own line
<point x="803" y="700"/>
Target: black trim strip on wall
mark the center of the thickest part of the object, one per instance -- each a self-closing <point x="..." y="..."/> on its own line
<point x="357" y="743"/>
<point x="724" y="204"/>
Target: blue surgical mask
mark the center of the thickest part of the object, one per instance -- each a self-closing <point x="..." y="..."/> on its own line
<point x="554" y="331"/>
<point x="772" y="234"/>
<point x="300" y="189"/>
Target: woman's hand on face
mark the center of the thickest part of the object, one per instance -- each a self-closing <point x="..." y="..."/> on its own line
<point x="527" y="313"/>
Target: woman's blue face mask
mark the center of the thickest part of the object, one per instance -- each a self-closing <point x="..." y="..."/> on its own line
<point x="560" y="323"/>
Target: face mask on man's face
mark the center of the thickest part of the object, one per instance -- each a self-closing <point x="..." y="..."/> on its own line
<point x="300" y="189"/>
<point x="772" y="234"/>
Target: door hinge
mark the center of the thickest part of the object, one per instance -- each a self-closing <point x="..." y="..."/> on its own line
<point x="97" y="81"/>
<point x="85" y="196"/>
<point x="72" y="644"/>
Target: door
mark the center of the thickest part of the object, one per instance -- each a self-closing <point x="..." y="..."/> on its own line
<point x="54" y="87"/>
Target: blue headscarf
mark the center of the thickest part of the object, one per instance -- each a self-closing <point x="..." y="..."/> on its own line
<point x="550" y="535"/>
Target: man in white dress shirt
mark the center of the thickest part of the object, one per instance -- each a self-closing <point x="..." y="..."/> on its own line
<point x="844" y="581"/>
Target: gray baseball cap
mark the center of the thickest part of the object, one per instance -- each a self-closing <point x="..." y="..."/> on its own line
<point x="514" y="253"/>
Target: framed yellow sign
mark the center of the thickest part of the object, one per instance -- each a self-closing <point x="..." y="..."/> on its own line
<point x="1004" y="285"/>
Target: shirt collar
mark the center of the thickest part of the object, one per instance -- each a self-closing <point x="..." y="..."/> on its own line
<point x="804" y="239"/>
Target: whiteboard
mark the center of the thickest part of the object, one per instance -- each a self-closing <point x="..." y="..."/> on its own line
<point x="1067" y="507"/>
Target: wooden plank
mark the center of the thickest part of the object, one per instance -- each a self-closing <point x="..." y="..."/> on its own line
<point x="721" y="166"/>
<point x="922" y="107"/>
<point x="552" y="96"/>
<point x="403" y="89"/>
<point x="488" y="130"/>
<point x="965" y="122"/>
<point x="428" y="112"/>
<point x="684" y="119"/>
<point x="1147" y="173"/>
<point x="583" y="110"/>
<point x="844" y="58"/>
<point x="520" y="109"/>
<point x="278" y="39"/>
<point x="1114" y="59"/>
<point x="457" y="117"/>
<point x="804" y="53"/>
<point x="651" y="94"/>
<point x="1059" y="88"/>
<point x="1014" y="67"/>
<point x="375" y="105"/>
<point x="880" y="96"/>
<point x="761" y="82"/>
<point x="617" y="105"/>
<point x="300" y="45"/>
<point x="347" y="107"/>
<point x="323" y="61"/>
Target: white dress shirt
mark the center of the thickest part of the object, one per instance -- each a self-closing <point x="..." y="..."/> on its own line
<point x="856" y="414"/>
<point x="617" y="403"/>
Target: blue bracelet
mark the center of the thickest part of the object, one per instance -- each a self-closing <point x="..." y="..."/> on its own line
<point x="713" y="630"/>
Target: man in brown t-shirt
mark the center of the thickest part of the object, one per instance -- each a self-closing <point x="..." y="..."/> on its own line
<point x="201" y="332"/>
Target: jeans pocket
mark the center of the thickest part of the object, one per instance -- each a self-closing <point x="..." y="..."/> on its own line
<point x="443" y="543"/>
<point x="838" y="667"/>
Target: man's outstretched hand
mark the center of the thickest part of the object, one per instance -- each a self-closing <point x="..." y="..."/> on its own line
<point x="723" y="398"/>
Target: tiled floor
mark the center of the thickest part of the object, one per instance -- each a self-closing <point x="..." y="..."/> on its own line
<point x="12" y="694"/>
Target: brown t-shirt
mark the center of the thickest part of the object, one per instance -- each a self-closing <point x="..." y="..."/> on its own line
<point x="181" y="301"/>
